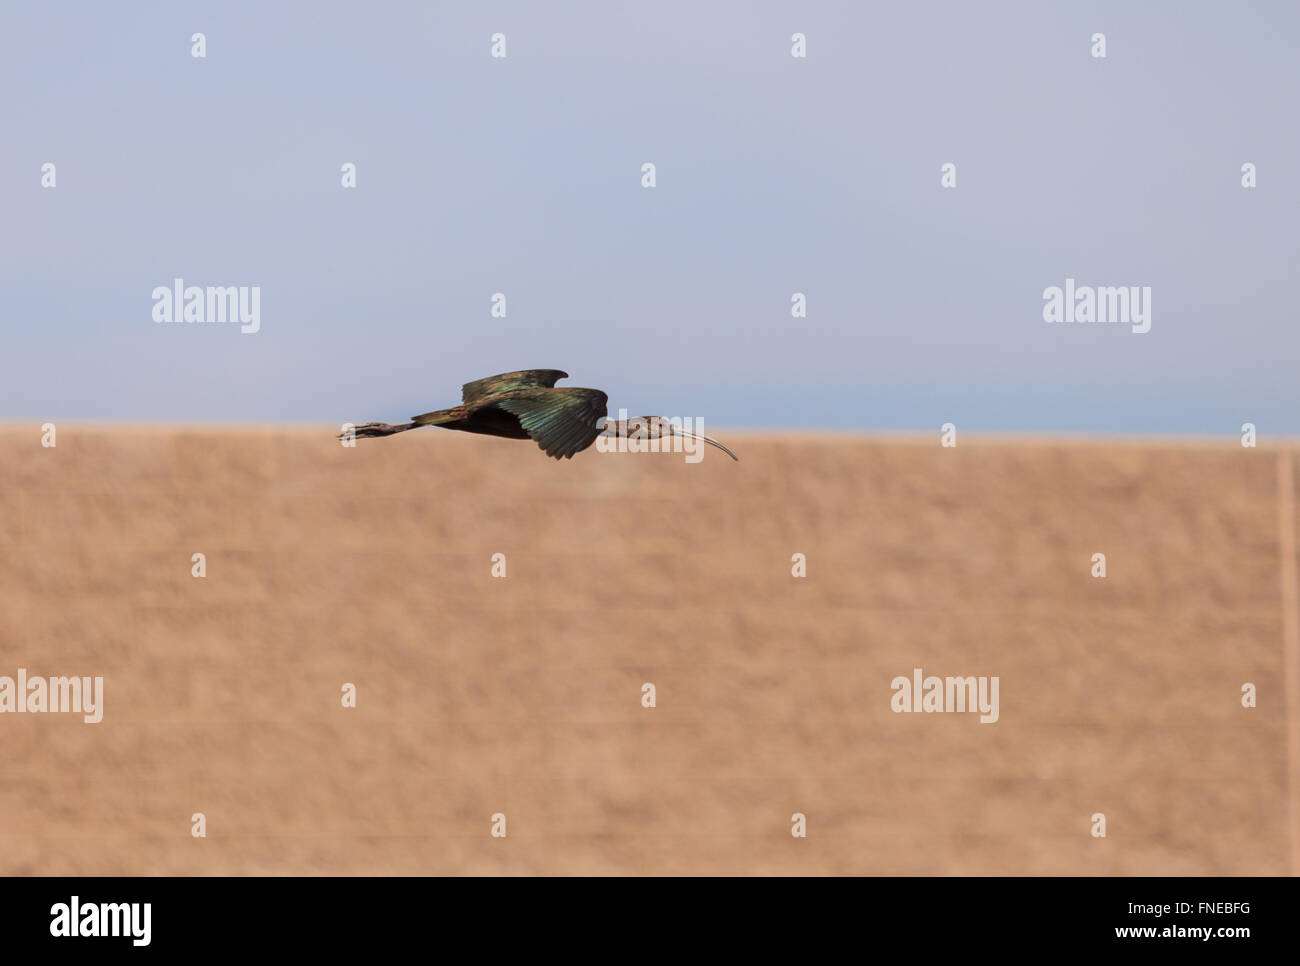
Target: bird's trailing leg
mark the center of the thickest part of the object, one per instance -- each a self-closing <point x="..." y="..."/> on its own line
<point x="367" y="430"/>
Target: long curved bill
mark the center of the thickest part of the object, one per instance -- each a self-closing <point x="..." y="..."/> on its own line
<point x="707" y="439"/>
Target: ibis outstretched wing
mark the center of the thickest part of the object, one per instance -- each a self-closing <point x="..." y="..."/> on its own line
<point x="563" y="421"/>
<point x="480" y="389"/>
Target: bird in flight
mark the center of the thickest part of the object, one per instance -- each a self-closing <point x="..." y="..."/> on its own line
<point x="527" y="405"/>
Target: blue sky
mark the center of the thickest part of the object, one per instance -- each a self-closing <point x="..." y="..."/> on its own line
<point x="775" y="175"/>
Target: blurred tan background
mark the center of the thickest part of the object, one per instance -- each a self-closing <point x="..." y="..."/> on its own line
<point x="522" y="695"/>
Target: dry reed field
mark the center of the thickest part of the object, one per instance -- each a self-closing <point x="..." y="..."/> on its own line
<point x="479" y="695"/>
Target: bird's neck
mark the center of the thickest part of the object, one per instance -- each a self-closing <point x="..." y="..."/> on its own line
<point x="643" y="427"/>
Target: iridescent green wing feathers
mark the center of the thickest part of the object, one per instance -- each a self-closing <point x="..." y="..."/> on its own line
<point x="563" y="421"/>
<point x="480" y="389"/>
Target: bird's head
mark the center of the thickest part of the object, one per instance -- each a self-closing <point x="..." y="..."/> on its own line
<point x="657" y="427"/>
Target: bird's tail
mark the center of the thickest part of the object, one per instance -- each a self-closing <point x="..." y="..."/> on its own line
<point x="367" y="430"/>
